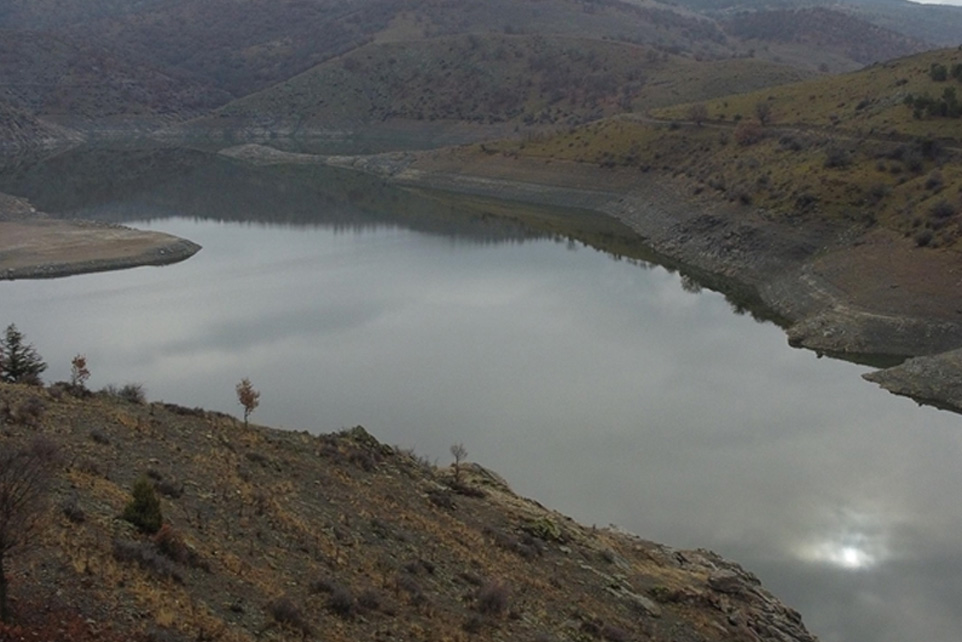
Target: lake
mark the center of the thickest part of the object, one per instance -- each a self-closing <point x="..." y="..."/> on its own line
<point x="596" y="382"/>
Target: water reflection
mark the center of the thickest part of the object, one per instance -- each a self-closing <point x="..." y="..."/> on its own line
<point x="850" y="540"/>
<point x="613" y="393"/>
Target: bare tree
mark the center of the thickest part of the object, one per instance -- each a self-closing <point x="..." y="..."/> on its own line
<point x="763" y="112"/>
<point x="25" y="474"/>
<point x="248" y="397"/>
<point x="459" y="452"/>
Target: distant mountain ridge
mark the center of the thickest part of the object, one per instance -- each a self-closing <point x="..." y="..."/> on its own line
<point x="160" y="62"/>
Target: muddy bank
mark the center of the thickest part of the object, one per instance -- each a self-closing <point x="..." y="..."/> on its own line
<point x="33" y="246"/>
<point x="848" y="291"/>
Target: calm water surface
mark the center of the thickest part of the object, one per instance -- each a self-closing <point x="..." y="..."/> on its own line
<point x="602" y="388"/>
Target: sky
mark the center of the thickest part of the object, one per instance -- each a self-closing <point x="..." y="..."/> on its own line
<point x="957" y="3"/>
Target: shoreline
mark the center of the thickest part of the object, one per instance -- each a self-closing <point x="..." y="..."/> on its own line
<point x="33" y="246"/>
<point x="866" y="295"/>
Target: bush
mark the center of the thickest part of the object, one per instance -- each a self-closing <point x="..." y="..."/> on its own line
<point x="134" y="393"/>
<point x="938" y="73"/>
<point x="934" y="180"/>
<point x="493" y="598"/>
<point x="837" y="158"/>
<point x="748" y="133"/>
<point x="145" y="556"/>
<point x="143" y="510"/>
<point x="341" y="603"/>
<point x="942" y="210"/>
<point x="285" y="612"/>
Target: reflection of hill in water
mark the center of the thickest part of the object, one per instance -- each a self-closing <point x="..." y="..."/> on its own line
<point x="127" y="185"/>
<point x="124" y="185"/>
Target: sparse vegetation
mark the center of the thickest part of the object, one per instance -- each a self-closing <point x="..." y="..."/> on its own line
<point x="270" y="550"/>
<point x="26" y="471"/>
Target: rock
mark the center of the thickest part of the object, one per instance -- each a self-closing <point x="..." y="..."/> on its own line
<point x="728" y="582"/>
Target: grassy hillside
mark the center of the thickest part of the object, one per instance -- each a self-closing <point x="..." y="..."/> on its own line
<point x="822" y="31"/>
<point x="937" y="24"/>
<point x="528" y="80"/>
<point x="275" y="535"/>
<point x="876" y="166"/>
<point x="868" y="102"/>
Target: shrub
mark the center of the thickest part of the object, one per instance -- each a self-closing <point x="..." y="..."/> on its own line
<point x="938" y="72"/>
<point x="942" y="210"/>
<point x="493" y="598"/>
<point x="143" y="510"/>
<point x="934" y="180"/>
<point x="748" y="133"/>
<point x="27" y="413"/>
<point x="837" y="158"/>
<point x="171" y="545"/>
<point x="134" y="393"/>
<point x="369" y="600"/>
<point x="285" y="612"/>
<point x="147" y="558"/>
<point x="341" y="603"/>
<point x="71" y="510"/>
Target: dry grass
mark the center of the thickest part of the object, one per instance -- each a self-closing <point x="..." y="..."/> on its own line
<point x="337" y="529"/>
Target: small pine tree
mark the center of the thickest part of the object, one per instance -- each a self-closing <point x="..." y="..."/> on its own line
<point x="143" y="510"/>
<point x="19" y="361"/>
<point x="248" y="397"/>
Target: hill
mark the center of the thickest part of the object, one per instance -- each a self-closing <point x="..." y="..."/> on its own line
<point x="829" y="34"/>
<point x="50" y="77"/>
<point x="128" y="67"/>
<point x="840" y="149"/>
<point x="933" y="23"/>
<point x="526" y="80"/>
<point x="278" y="535"/>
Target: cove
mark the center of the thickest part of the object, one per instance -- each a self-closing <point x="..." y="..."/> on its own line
<point x="608" y="389"/>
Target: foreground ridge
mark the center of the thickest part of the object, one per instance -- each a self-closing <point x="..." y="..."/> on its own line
<point x="276" y="535"/>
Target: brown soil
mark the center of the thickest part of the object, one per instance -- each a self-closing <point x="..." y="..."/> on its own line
<point x="278" y="535"/>
<point x="39" y="248"/>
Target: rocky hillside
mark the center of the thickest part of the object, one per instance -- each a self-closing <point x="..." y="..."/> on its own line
<point x="283" y="535"/>
<point x="20" y="130"/>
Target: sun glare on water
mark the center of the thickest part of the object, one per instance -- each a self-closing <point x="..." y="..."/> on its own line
<point x="855" y="542"/>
